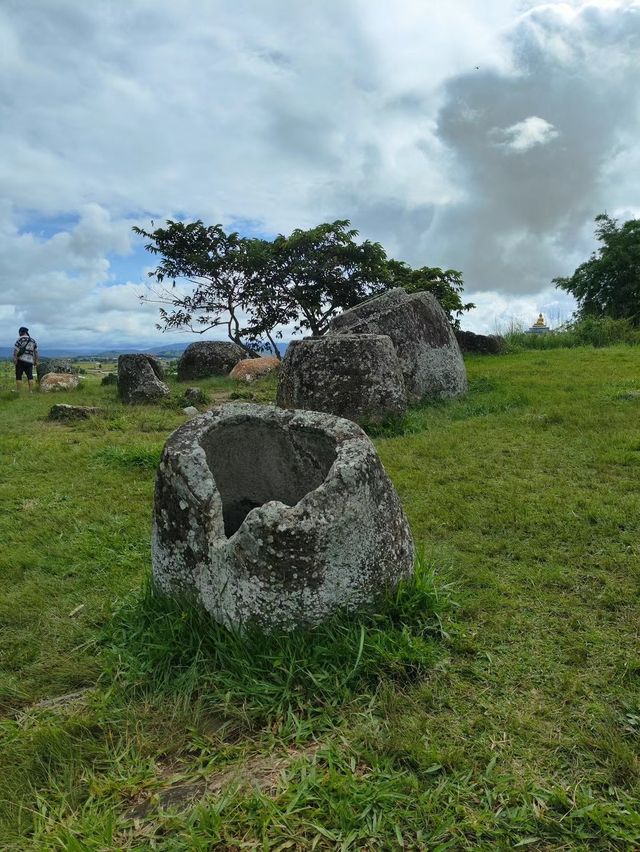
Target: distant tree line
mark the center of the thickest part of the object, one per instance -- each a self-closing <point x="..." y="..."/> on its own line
<point x="254" y="287"/>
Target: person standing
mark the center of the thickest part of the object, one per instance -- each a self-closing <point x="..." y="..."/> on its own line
<point x="25" y="357"/>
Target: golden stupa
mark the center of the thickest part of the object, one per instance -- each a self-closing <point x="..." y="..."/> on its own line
<point x="539" y="326"/>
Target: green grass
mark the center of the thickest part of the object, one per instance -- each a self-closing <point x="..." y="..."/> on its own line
<point x="493" y="703"/>
<point x="591" y="331"/>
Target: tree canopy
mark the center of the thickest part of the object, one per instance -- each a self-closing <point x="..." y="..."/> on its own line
<point x="255" y="287"/>
<point x="608" y="284"/>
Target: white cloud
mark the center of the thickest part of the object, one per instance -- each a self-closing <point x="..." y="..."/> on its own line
<point x="288" y="114"/>
<point x="526" y="134"/>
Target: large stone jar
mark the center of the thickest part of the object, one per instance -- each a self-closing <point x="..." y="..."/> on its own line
<point x="429" y="355"/>
<point x="209" y="358"/>
<point x="140" y="379"/>
<point x="276" y="518"/>
<point x="357" y="376"/>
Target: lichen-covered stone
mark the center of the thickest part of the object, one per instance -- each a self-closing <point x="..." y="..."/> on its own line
<point x="59" y="382"/>
<point x="140" y="379"/>
<point x="480" y="344"/>
<point x="55" y="365"/>
<point x="209" y="358"/>
<point x="422" y="336"/>
<point x="275" y="518"/>
<point x="250" y="369"/>
<point x="357" y="376"/>
<point x="64" y="412"/>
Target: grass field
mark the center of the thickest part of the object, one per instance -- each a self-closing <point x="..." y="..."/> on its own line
<point x="493" y="703"/>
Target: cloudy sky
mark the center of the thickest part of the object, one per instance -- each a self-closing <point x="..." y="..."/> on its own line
<point x="480" y="136"/>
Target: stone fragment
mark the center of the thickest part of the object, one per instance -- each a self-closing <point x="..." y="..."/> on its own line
<point x="59" y="381"/>
<point x="250" y="369"/>
<point x="209" y="358"/>
<point x="55" y="365"/>
<point x="276" y="518"/>
<point x="357" y="376"/>
<point x="424" y="341"/>
<point x="196" y="396"/>
<point x="191" y="410"/>
<point x="140" y="379"/>
<point x="481" y="344"/>
<point x="72" y="412"/>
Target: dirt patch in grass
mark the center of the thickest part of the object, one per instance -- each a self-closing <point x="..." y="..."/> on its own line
<point x="177" y="792"/>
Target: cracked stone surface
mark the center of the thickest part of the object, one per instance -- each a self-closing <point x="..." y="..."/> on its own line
<point x="277" y="518"/>
<point x="429" y="355"/>
<point x="357" y="376"/>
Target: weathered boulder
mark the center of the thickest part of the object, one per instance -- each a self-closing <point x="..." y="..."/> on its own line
<point x="195" y="396"/>
<point x="357" y="376"/>
<point x="140" y="379"/>
<point x="54" y="365"/>
<point x="72" y="412"/>
<point x="481" y="344"/>
<point x="249" y="369"/>
<point x="59" y="381"/>
<point x="424" y="341"/>
<point x="209" y="358"/>
<point x="275" y="518"/>
<point x="191" y="410"/>
<point x="109" y="379"/>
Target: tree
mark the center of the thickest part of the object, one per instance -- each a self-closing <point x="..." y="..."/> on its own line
<point x="321" y="271"/>
<point x="446" y="285"/>
<point x="608" y="284"/>
<point x="223" y="269"/>
<point x="257" y="287"/>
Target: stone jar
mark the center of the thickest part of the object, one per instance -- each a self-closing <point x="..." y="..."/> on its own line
<point x="357" y="376"/>
<point x="422" y="336"/>
<point x="140" y="379"/>
<point x="276" y="518"/>
<point x="209" y="358"/>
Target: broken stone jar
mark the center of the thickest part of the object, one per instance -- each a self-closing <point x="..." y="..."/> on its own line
<point x="276" y="518"/>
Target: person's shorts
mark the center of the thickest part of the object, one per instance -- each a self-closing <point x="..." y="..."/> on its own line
<point x="22" y="368"/>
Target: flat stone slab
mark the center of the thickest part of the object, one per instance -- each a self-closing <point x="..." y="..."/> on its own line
<point x="357" y="376"/>
<point x="276" y="518"/>
<point x="430" y="358"/>
<point x="209" y="358"/>
<point x="72" y="412"/>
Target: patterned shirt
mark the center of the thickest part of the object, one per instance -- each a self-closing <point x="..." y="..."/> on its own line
<point x="25" y="348"/>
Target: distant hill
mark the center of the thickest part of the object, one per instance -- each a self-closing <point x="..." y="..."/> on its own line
<point x="169" y="352"/>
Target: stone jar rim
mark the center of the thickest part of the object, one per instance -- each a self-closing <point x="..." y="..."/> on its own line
<point x="184" y="451"/>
